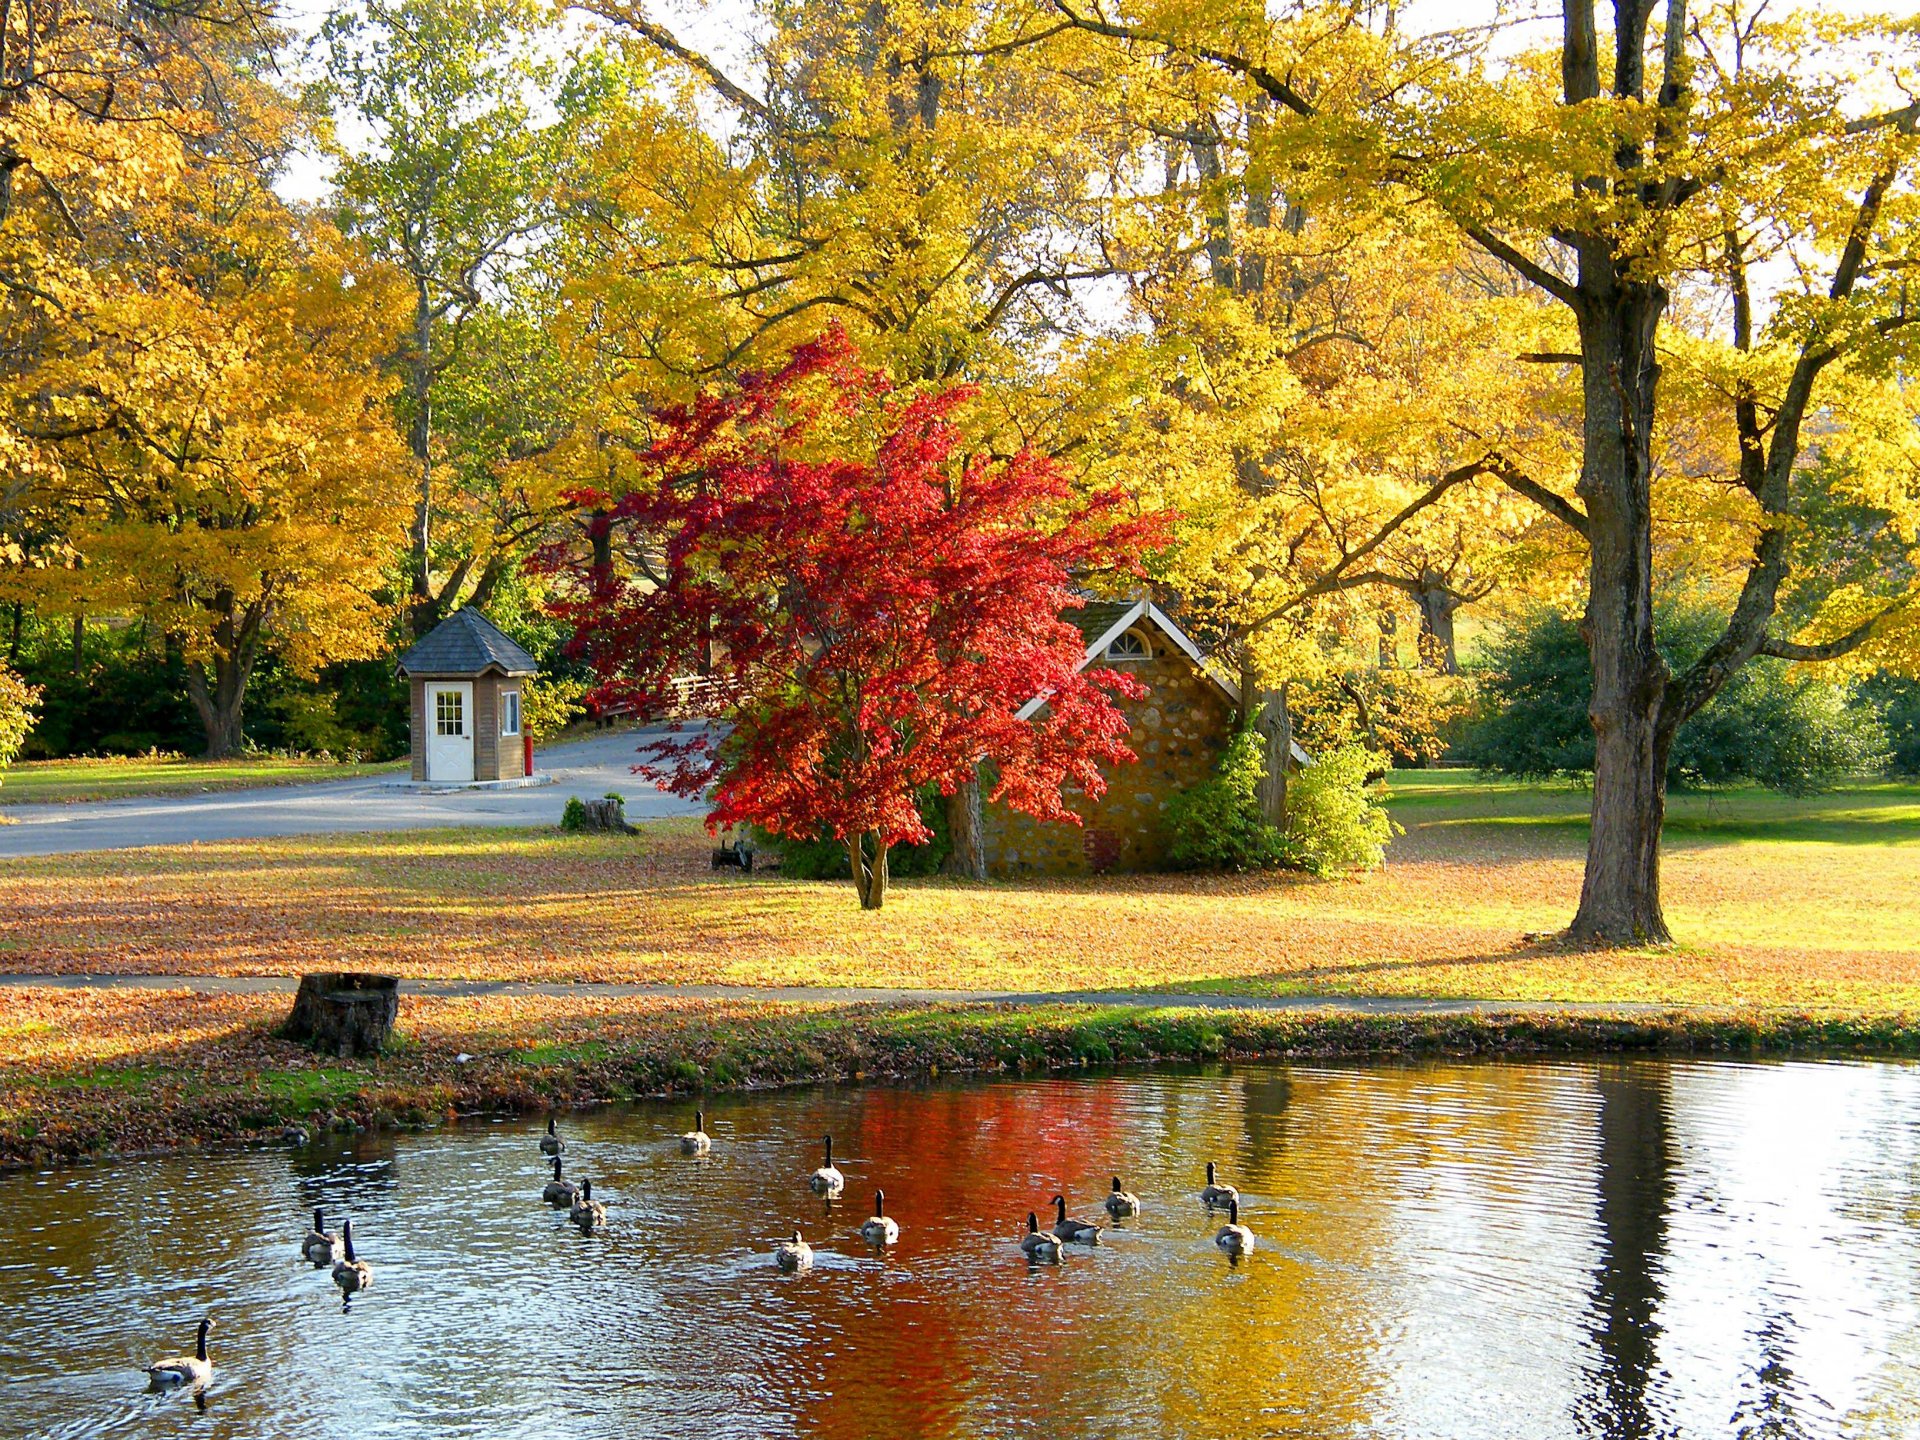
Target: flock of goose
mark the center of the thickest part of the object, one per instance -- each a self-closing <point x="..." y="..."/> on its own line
<point x="354" y="1276"/>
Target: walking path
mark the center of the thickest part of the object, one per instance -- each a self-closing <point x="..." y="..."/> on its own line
<point x="847" y="995"/>
<point x="587" y="768"/>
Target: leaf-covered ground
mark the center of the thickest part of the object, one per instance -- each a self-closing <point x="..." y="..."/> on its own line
<point x="1811" y="904"/>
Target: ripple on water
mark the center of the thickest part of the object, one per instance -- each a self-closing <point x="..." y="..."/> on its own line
<point x="1445" y="1249"/>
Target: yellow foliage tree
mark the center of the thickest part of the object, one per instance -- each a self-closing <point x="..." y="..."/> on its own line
<point x="203" y="417"/>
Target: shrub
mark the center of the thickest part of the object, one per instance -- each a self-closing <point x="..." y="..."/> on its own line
<point x="1773" y="724"/>
<point x="1896" y="700"/>
<point x="1217" y="824"/>
<point x="573" y="818"/>
<point x="1334" y="819"/>
<point x="17" y="702"/>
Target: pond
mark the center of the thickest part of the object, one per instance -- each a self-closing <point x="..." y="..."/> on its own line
<point x="1607" y="1248"/>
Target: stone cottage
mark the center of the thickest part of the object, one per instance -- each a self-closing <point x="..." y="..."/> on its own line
<point x="1178" y="730"/>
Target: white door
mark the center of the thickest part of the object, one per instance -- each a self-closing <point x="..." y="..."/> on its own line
<point x="450" y="733"/>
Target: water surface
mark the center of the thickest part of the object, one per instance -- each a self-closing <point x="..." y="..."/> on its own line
<point x="1594" y="1249"/>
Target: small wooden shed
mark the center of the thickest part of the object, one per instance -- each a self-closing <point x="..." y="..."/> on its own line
<point x="465" y="676"/>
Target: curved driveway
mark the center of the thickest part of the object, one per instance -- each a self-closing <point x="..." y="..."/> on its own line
<point x="587" y="768"/>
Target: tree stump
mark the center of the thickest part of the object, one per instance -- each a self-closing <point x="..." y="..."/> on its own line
<point x="607" y="817"/>
<point x="345" y="1012"/>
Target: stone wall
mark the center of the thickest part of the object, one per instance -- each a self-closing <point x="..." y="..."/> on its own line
<point x="1178" y="731"/>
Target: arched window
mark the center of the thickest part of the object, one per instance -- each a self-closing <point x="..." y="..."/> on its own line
<point x="1130" y="646"/>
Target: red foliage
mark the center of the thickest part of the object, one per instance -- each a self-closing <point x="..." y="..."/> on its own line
<point x="876" y="609"/>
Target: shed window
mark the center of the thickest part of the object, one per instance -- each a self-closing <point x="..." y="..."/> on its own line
<point x="1130" y="646"/>
<point x="510" y="712"/>
<point x="450" y="712"/>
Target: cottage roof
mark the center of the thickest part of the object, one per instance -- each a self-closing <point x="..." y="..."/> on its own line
<point x="466" y="643"/>
<point x="1104" y="621"/>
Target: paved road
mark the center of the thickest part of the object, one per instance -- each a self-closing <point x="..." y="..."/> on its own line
<point x="587" y="768"/>
<point x="844" y="995"/>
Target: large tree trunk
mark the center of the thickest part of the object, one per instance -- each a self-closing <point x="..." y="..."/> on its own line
<point x="869" y="857"/>
<point x="425" y="608"/>
<point x="1620" y="898"/>
<point x="218" y="687"/>
<point x="1437" y="604"/>
<point x="966" y="831"/>
<point x="1274" y="722"/>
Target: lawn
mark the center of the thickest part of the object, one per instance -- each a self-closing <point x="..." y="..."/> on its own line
<point x="38" y="782"/>
<point x="1779" y="903"/>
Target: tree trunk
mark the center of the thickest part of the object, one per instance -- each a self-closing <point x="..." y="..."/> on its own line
<point x="966" y="830"/>
<point x="420" y="441"/>
<point x="1389" y="645"/>
<point x="869" y="874"/>
<point x="1275" y="724"/>
<point x="1437" y="604"/>
<point x="236" y="644"/>
<point x="1620" y="897"/>
<point x="13" y="637"/>
<point x="79" y="658"/>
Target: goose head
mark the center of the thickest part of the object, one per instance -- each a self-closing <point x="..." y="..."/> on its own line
<point x="200" y="1342"/>
<point x="586" y="1190"/>
<point x="1060" y="1207"/>
<point x="319" y="1223"/>
<point x="826" y="1145"/>
<point x="346" y="1240"/>
<point x="879" y="1204"/>
<point x="556" y="1167"/>
<point x="1033" y="1223"/>
<point x="1233" y="1212"/>
<point x="699" y="1121"/>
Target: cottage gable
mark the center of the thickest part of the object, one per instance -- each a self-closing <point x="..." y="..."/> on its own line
<point x="1178" y="730"/>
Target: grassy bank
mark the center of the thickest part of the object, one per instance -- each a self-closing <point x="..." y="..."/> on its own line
<point x="88" y="1073"/>
<point x="1796" y="904"/>
<point x="41" y="782"/>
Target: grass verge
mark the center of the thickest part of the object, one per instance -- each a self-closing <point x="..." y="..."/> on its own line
<point x="92" y="1073"/>
<point x="42" y="782"/>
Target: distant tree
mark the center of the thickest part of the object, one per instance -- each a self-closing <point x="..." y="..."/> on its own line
<point x="1771" y="723"/>
<point x="875" y="612"/>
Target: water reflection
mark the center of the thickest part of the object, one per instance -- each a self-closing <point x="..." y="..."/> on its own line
<point x="1460" y="1250"/>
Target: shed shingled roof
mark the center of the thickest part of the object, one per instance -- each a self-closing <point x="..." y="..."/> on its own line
<point x="466" y="643"/>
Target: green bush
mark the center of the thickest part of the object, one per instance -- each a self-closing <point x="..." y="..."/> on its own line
<point x="1334" y="819"/>
<point x="1773" y="724"/>
<point x="1217" y="824"/>
<point x="1896" y="700"/>
<point x="573" y="819"/>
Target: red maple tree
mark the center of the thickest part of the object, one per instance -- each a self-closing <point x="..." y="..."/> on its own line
<point x="874" y="609"/>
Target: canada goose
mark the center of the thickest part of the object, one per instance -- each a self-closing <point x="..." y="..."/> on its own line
<point x="195" y="1369"/>
<point x="1084" y="1231"/>
<point x="559" y="1192"/>
<point x="794" y="1254"/>
<point x="551" y="1143"/>
<point x="319" y="1247"/>
<point x="1121" y="1203"/>
<point x="696" y="1141"/>
<point x="588" y="1213"/>
<point x="1234" y="1238"/>
<point x="827" y="1180"/>
<point x="1037" y="1243"/>
<point x="352" y="1274"/>
<point x="1216" y="1196"/>
<point x="880" y="1227"/>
